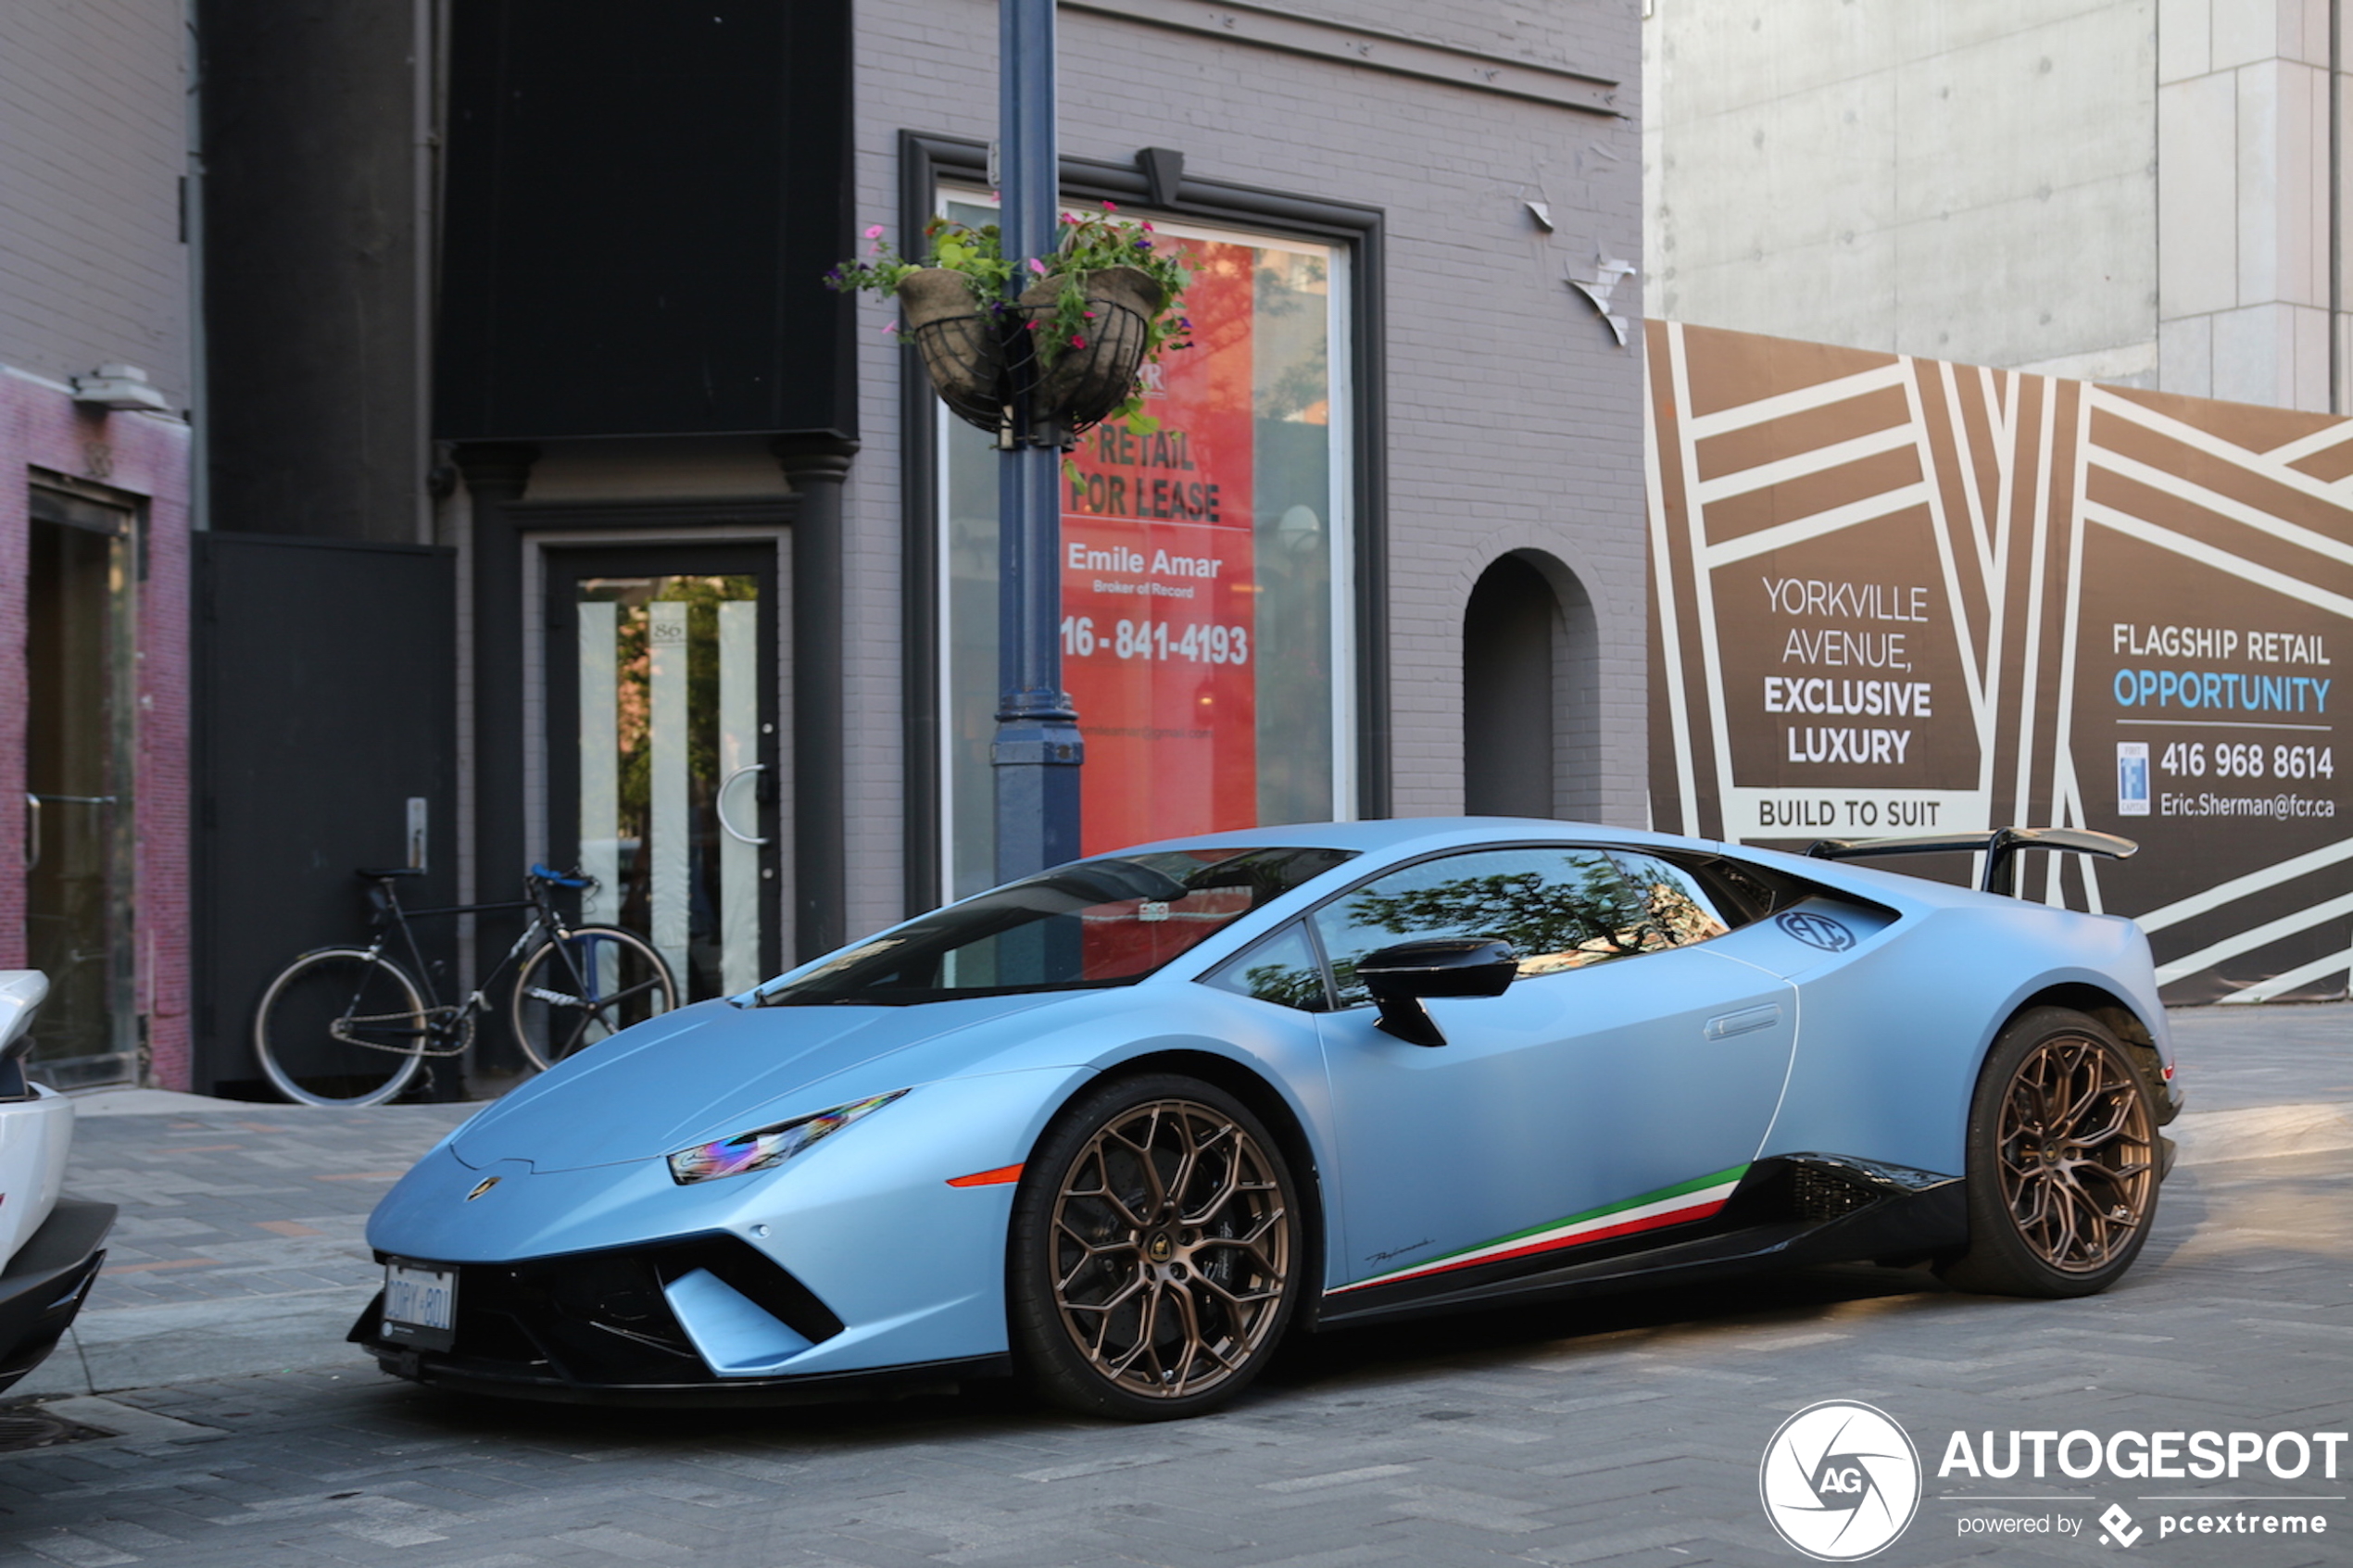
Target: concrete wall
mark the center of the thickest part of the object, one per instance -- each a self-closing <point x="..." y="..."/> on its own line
<point x="1967" y="180"/>
<point x="2242" y="159"/>
<point x="1513" y="413"/>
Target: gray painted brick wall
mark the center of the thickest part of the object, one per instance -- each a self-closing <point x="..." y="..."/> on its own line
<point x="93" y="143"/>
<point x="1515" y="418"/>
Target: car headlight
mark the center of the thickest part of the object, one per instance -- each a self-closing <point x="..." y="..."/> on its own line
<point x="765" y="1147"/>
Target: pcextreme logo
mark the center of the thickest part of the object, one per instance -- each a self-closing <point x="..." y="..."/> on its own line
<point x="1840" y="1481"/>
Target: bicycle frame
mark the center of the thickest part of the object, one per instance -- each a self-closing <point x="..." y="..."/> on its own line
<point x="446" y="1021"/>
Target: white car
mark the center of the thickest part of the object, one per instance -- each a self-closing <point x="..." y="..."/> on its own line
<point x="51" y="1245"/>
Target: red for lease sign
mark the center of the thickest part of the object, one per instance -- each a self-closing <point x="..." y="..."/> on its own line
<point x="1159" y="596"/>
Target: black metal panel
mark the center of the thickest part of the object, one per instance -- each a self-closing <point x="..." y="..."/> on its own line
<point x="325" y="699"/>
<point x="311" y="300"/>
<point x="642" y="197"/>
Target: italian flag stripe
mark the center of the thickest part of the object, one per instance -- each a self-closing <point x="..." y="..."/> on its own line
<point x="1680" y="1204"/>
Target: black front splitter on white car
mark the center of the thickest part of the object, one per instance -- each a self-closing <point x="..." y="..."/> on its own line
<point x="47" y="1282"/>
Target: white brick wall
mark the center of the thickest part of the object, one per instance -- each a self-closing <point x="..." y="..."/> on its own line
<point x="93" y="143"/>
<point x="1514" y="417"/>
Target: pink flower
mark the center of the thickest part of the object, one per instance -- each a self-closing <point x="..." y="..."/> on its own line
<point x="890" y="326"/>
<point x="1091" y="315"/>
<point x="875" y="232"/>
<point x="1147" y="225"/>
<point x="1077" y="342"/>
<point x="1110" y="207"/>
<point x="1036" y="266"/>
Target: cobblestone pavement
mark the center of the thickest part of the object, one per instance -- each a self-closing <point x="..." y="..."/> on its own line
<point x="1625" y="1431"/>
<point x="239" y="1245"/>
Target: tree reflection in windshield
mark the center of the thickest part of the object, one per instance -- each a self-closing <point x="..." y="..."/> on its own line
<point x="1559" y="909"/>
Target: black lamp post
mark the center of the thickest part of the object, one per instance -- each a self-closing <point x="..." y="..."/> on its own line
<point x="1037" y="749"/>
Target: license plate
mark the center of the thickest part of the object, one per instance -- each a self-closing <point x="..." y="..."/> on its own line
<point x="421" y="1305"/>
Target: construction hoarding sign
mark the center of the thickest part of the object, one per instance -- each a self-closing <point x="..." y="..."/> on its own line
<point x="1894" y="595"/>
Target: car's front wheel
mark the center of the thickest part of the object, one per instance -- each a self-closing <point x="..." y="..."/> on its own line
<point x="1156" y="1252"/>
<point x="2062" y="1161"/>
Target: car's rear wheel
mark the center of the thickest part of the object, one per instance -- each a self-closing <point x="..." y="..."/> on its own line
<point x="1156" y="1252"/>
<point x="2062" y="1161"/>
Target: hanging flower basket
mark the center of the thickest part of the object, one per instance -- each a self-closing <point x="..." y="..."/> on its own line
<point x="960" y="342"/>
<point x="1068" y="349"/>
<point x="980" y="359"/>
<point x="1080" y="382"/>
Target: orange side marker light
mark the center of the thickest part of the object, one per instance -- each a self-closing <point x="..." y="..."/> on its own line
<point x="998" y="1177"/>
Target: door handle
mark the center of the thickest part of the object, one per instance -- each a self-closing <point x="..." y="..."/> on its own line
<point x="719" y="804"/>
<point x="1744" y="1022"/>
<point x="32" y="804"/>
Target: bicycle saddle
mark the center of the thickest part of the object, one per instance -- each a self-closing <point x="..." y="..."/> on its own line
<point x="380" y="873"/>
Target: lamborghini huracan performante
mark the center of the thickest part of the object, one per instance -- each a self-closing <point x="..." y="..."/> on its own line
<point x="1122" y="1126"/>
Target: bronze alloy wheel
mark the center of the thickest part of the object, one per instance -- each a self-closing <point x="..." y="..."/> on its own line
<point x="1168" y="1252"/>
<point x="2062" y="1159"/>
<point x="2078" y="1152"/>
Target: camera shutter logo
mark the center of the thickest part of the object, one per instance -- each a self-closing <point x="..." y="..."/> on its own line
<point x="1840" y="1481"/>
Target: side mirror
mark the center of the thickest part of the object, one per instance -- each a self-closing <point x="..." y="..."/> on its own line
<point x="1400" y="977"/>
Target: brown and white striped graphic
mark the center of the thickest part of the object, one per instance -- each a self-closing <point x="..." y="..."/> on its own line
<point x="1893" y="595"/>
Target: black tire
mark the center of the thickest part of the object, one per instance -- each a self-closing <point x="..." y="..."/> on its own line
<point x="340" y="1026"/>
<point x="584" y="987"/>
<point x="2063" y="1161"/>
<point x="1157" y="1250"/>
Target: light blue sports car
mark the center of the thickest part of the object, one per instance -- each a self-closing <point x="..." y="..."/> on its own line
<point x="1121" y="1126"/>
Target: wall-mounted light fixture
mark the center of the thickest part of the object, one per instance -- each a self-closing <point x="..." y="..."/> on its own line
<point x="122" y="388"/>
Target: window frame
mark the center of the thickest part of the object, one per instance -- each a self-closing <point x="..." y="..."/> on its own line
<point x="929" y="162"/>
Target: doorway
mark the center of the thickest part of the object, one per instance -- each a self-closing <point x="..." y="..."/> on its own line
<point x="1508" y="633"/>
<point x="78" y="832"/>
<point x="663" y="755"/>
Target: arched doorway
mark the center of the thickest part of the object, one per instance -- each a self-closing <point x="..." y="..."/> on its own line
<point x="1510" y="631"/>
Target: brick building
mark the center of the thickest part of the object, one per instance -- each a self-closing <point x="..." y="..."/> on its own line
<point x="96" y="379"/>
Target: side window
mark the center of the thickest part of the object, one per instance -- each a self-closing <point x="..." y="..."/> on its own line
<point x="1281" y="970"/>
<point x="1560" y="908"/>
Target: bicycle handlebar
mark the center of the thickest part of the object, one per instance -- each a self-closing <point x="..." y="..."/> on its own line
<point x="557" y="879"/>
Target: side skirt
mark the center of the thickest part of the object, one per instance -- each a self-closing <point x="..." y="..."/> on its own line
<point x="1788" y="1212"/>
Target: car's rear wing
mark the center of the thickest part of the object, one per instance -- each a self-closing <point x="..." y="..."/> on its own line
<point x="2000" y="848"/>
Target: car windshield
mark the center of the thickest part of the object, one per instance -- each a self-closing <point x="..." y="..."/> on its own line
<point x="1087" y="925"/>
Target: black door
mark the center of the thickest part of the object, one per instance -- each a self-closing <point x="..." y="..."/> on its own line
<point x="662" y="750"/>
<point x="325" y="728"/>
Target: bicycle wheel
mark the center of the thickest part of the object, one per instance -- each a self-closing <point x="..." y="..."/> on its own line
<point x="574" y="992"/>
<point x="340" y="1026"/>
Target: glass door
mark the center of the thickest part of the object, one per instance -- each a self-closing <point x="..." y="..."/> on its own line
<point x="663" y="669"/>
<point x="77" y="826"/>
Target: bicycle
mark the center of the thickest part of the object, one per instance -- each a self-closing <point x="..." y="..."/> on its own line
<point x="348" y="1025"/>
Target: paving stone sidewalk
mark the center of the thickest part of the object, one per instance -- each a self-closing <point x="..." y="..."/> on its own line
<point x="239" y="1247"/>
<point x="1624" y="1431"/>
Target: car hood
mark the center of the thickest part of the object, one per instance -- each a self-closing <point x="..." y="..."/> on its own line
<point x="707" y="1072"/>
